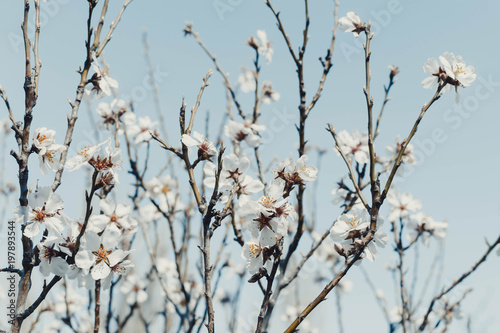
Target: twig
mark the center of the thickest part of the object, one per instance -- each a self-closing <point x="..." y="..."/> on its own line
<point x="153" y="83"/>
<point x="189" y="31"/>
<point x="97" y="315"/>
<point x="456" y="283"/>
<point x="348" y="163"/>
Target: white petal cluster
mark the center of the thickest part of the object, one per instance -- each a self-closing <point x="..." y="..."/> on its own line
<point x="351" y="227"/>
<point x="355" y="145"/>
<point x="351" y="23"/>
<point x="48" y="151"/>
<point x="245" y="131"/>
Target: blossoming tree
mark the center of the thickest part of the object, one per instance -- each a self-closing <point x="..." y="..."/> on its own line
<point x="186" y="246"/>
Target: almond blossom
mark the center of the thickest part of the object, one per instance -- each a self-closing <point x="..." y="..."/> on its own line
<point x="232" y="174"/>
<point x="245" y="131"/>
<point x="114" y="216"/>
<point x="51" y="260"/>
<point x="269" y="95"/>
<point x="206" y="149"/>
<point x="101" y="80"/>
<point x="134" y="290"/>
<point x="111" y="113"/>
<point x="44" y="208"/>
<point x="401" y="205"/>
<point x="355" y="145"/>
<point x="246" y="80"/>
<point x="99" y="254"/>
<point x="408" y="156"/>
<point x="452" y="72"/>
<point x="258" y="252"/>
<point x="271" y="212"/>
<point x="47" y="149"/>
<point x="351" y="23"/>
<point x="263" y="46"/>
<point x="351" y="227"/>
<point x="456" y="69"/>
<point x="140" y="128"/>
<point x="423" y="226"/>
<point x="109" y="161"/>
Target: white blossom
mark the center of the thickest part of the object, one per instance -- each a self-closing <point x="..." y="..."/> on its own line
<point x="351" y="23"/>
<point x="245" y="131"/>
<point x="355" y="145"/>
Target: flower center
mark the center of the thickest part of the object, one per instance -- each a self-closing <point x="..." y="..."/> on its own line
<point x="102" y="255"/>
<point x="84" y="151"/>
<point x="50" y="155"/>
<point x="41" y="138"/>
<point x="353" y="222"/>
<point x="254" y="250"/>
<point x="267" y="201"/>
<point x="40" y="215"/>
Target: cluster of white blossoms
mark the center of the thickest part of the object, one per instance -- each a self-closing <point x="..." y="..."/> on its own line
<point x="355" y="145"/>
<point x="271" y="213"/>
<point x="48" y="151"/>
<point x="450" y="71"/>
<point x="350" y="229"/>
<point x="116" y="116"/>
<point x="105" y="163"/>
<point x="418" y="225"/>
<point x="98" y="253"/>
<point x="233" y="177"/>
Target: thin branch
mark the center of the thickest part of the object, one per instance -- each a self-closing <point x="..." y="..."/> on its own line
<point x="189" y="31"/>
<point x="490" y="248"/>
<point x="347" y="162"/>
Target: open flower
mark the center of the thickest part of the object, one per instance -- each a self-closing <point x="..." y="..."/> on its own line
<point x="47" y="149"/>
<point x="51" y="260"/>
<point x="423" y="226"/>
<point x="44" y="208"/>
<point x="206" y="149"/>
<point x="401" y="205"/>
<point x="262" y="46"/>
<point x="351" y="227"/>
<point x="351" y="23"/>
<point x="111" y="113"/>
<point x="140" y="128"/>
<point x="355" y="145"/>
<point x="258" y="252"/>
<point x="408" y="155"/>
<point x="293" y="173"/>
<point x="269" y="95"/>
<point x="114" y="216"/>
<point x="134" y="289"/>
<point x="43" y="138"/>
<point x="101" y="80"/>
<point x="83" y="156"/>
<point x="99" y="254"/>
<point x="452" y="72"/>
<point x="106" y="163"/>
<point x="459" y="73"/>
<point x="245" y="131"/>
<point x="271" y="212"/>
<point x="246" y="80"/>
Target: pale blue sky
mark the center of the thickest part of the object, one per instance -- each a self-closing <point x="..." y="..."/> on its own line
<point x="456" y="180"/>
